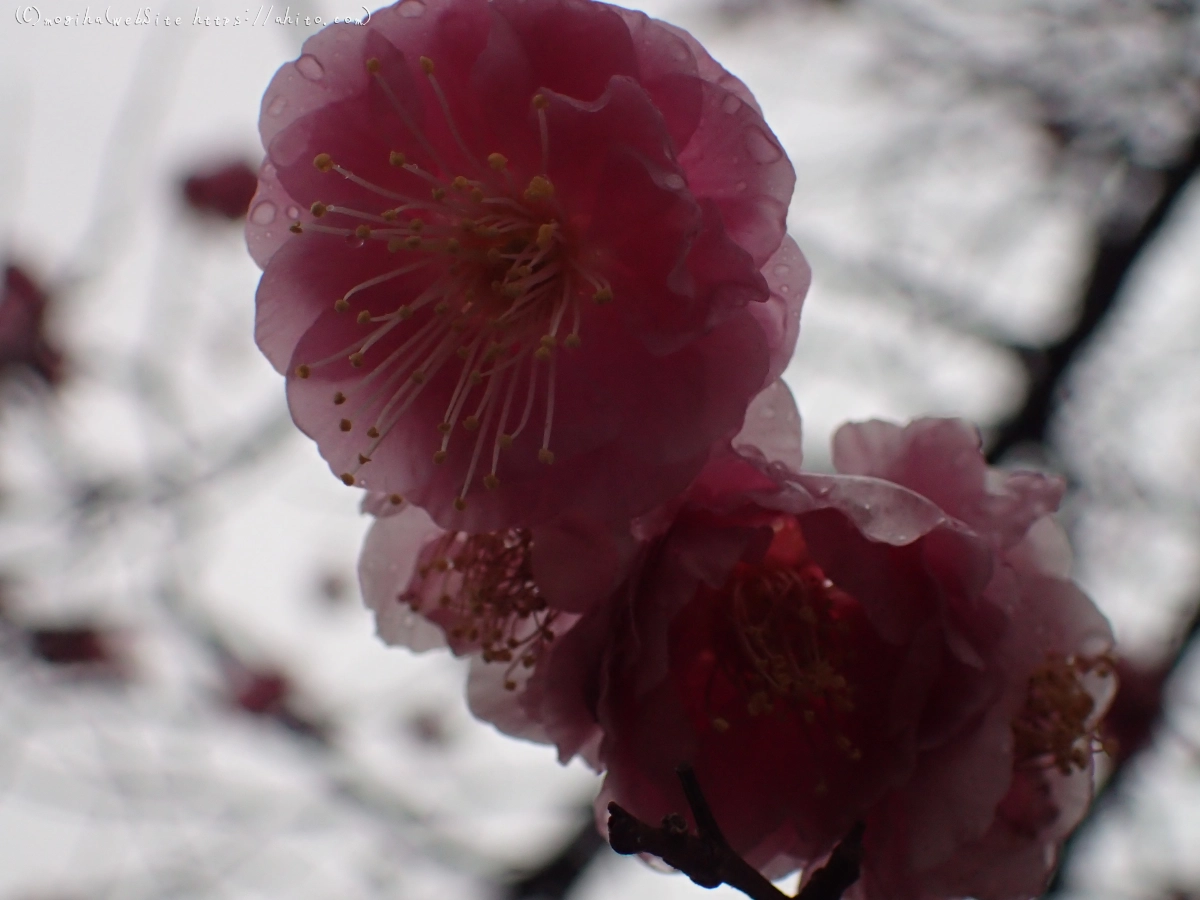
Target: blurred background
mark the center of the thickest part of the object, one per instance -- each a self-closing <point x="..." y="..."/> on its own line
<point x="999" y="199"/>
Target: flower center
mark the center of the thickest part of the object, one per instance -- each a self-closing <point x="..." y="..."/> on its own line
<point x="487" y="596"/>
<point x="1056" y="725"/>
<point x="508" y="290"/>
<point x="781" y="637"/>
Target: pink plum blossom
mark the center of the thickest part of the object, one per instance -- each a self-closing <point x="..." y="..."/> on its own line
<point x="522" y="258"/>
<point x="898" y="644"/>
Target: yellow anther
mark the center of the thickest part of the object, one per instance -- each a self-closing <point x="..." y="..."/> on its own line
<point x="438" y="193"/>
<point x="356" y="360"/>
<point x="418" y="377"/>
<point x="396" y="158"/>
<point x="444" y="427"/>
<point x="545" y="235"/>
<point x="505" y="441"/>
<point x="460" y="504"/>
<point x="339" y="398"/>
<point x="373" y="65"/>
<point x="364" y="317"/>
<point x="347" y="479"/>
<point x="388" y="215"/>
<point x="476" y="377"/>
<point x="372" y="432"/>
<point x="602" y="296"/>
<point x="404" y="313"/>
<point x="395" y="499"/>
<point x="539" y="188"/>
<point x="303" y="371"/>
<point x="318" y="209"/>
<point x="453" y="246"/>
<point x="493" y="255"/>
<point x="497" y="161"/>
<point x="345" y="425"/>
<point x="540" y="101"/>
<point x="470" y="423"/>
<point x="572" y="340"/>
<point x="427" y="65"/>
<point x="720" y="725"/>
<point x="477" y="195"/>
<point x="296" y="228"/>
<point x="442" y="308"/>
<point x="362" y="231"/>
<point x="323" y="162"/>
<point x="548" y="340"/>
<point x="413" y="243"/>
<point x="439" y="457"/>
<point x="363" y="459"/>
<point x="491" y="482"/>
<point x="545" y="456"/>
<point x="512" y="291"/>
<point x="341" y="304"/>
<point x="395" y="244"/>
<point x="460" y="183"/>
<point x="542" y="353"/>
<point x="416" y="226"/>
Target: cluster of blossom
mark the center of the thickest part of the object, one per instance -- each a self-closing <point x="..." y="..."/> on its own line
<point x="527" y="274"/>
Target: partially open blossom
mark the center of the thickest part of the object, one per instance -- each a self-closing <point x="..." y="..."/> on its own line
<point x="23" y="342"/>
<point x="523" y="258"/>
<point x="224" y="189"/>
<point x="898" y="644"/>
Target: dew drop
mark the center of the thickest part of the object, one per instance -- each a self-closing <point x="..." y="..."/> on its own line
<point x="762" y="148"/>
<point x="278" y="105"/>
<point x="410" y="9"/>
<point x="782" y="270"/>
<point x="353" y="240"/>
<point x="293" y="212"/>
<point x="731" y="104"/>
<point x="263" y="213"/>
<point x="310" y="67"/>
<point x="674" y="182"/>
<point x="785" y="289"/>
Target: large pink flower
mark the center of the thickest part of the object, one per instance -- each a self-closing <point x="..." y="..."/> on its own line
<point x="536" y="261"/>
<point x="898" y="644"/>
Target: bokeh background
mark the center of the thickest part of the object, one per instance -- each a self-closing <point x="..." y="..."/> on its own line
<point x="999" y="199"/>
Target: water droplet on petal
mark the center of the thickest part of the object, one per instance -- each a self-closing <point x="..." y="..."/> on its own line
<point x="293" y="212"/>
<point x="310" y="67"/>
<point x="410" y="9"/>
<point x="731" y="104"/>
<point x="353" y="240"/>
<point x="263" y="213"/>
<point x="278" y="105"/>
<point x="674" y="182"/>
<point x="785" y="289"/>
<point x="762" y="148"/>
<point x="782" y="270"/>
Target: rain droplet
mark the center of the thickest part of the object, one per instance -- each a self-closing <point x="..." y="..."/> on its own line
<point x="410" y="9"/>
<point x="782" y="270"/>
<point x="293" y="212"/>
<point x="731" y="104"/>
<point x="674" y="182"/>
<point x="762" y="148"/>
<point x="278" y="105"/>
<point x="263" y="213"/>
<point x="353" y="240"/>
<point x="310" y="67"/>
<point x="785" y="289"/>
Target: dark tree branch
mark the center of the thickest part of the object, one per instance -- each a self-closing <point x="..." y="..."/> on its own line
<point x="1117" y="251"/>
<point x="554" y="879"/>
<point x="709" y="861"/>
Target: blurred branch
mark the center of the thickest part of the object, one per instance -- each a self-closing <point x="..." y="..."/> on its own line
<point x="555" y="878"/>
<point x="1119" y="247"/>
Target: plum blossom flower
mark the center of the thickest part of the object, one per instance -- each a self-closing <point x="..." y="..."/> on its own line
<point x="898" y="644"/>
<point x="536" y="262"/>
<point x="223" y="190"/>
<point x="23" y="342"/>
